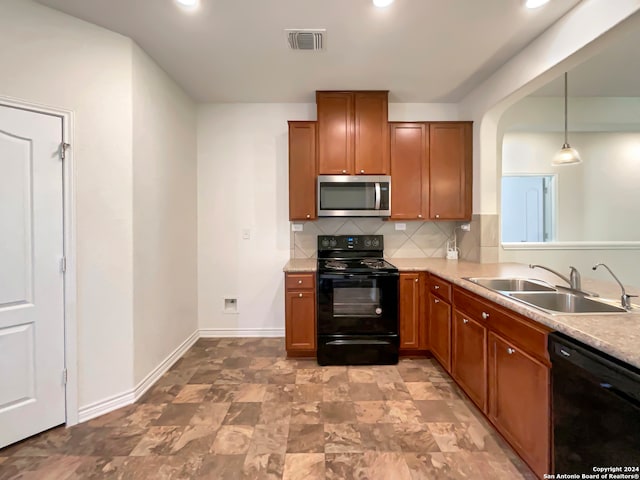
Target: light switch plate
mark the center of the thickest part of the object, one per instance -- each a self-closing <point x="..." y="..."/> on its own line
<point x="296" y="227"/>
<point x="246" y="234"/>
<point x="401" y="226"/>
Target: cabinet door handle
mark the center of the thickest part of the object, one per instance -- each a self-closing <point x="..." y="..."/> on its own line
<point x="300" y="295"/>
<point x="436" y="287"/>
<point x="419" y="215"/>
<point x="485" y="315"/>
<point x="435" y="300"/>
<point x="465" y="321"/>
<point x="299" y="282"/>
<point x="437" y="216"/>
<point x="344" y="171"/>
<point x="511" y="351"/>
<point x="361" y="171"/>
<point x="416" y="280"/>
<point x="308" y="216"/>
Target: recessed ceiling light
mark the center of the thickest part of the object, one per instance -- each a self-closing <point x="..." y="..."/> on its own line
<point x="188" y="3"/>
<point x="536" y="3"/>
<point x="382" y="3"/>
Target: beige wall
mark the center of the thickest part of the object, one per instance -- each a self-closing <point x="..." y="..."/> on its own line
<point x="50" y="58"/>
<point x="243" y="185"/>
<point x="164" y="215"/>
<point x="133" y="144"/>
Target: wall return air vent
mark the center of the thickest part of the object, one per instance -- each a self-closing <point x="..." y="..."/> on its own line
<point x="306" y="39"/>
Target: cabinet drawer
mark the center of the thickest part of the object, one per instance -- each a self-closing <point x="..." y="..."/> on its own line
<point x="299" y="281"/>
<point x="440" y="287"/>
<point x="532" y="338"/>
<point x="473" y="306"/>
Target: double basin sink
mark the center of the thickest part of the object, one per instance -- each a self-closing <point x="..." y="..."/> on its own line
<point x="539" y="294"/>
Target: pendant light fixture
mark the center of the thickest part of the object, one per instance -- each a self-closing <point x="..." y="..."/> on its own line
<point x="566" y="155"/>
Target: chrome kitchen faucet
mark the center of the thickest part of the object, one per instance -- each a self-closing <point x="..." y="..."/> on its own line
<point x="573" y="280"/>
<point x="625" y="297"/>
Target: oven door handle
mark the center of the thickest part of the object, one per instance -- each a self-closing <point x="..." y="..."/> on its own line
<point x="377" y="196"/>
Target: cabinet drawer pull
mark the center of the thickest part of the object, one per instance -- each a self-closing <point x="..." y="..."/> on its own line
<point x="511" y="351"/>
<point x="300" y="295"/>
<point x="361" y="171"/>
<point x="436" y="287"/>
<point x="344" y="171"/>
<point x="299" y="282"/>
<point x="485" y="315"/>
<point x="465" y="321"/>
<point x="435" y="300"/>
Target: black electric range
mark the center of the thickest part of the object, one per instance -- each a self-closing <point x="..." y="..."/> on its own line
<point x="357" y="302"/>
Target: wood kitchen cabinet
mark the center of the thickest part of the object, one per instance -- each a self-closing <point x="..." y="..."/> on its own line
<point x="431" y="170"/>
<point x="302" y="171"/>
<point x="413" y="333"/>
<point x="439" y="321"/>
<point x="352" y="133"/>
<point x="409" y="171"/>
<point x="519" y="403"/>
<point x="507" y="353"/>
<point x="450" y="171"/>
<point x="469" y="357"/>
<point x="300" y="314"/>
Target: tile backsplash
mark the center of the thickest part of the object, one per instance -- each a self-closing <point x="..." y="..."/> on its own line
<point x="420" y="239"/>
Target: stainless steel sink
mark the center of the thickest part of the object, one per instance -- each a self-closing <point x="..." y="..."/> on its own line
<point x="505" y="284"/>
<point x="561" y="302"/>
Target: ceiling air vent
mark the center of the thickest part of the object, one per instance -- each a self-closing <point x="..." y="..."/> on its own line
<point x="306" y="39"/>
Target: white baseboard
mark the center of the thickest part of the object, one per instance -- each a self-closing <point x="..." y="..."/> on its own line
<point x="107" y="405"/>
<point x="241" y="332"/>
<point x="123" y="399"/>
<point x="127" y="398"/>
<point x="155" y="374"/>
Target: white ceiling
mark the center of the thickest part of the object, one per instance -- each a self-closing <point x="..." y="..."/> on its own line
<point x="613" y="72"/>
<point x="235" y="50"/>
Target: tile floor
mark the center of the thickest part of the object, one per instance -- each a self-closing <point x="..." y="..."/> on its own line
<point x="238" y="409"/>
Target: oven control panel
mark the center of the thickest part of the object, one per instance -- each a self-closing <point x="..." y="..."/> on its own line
<point x="350" y="242"/>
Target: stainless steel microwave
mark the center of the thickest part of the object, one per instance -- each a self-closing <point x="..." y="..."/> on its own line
<point x="354" y="195"/>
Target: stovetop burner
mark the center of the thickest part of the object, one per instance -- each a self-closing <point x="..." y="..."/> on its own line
<point x="335" y="265"/>
<point x="374" y="263"/>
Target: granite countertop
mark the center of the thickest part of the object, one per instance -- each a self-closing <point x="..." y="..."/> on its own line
<point x="615" y="334"/>
<point x="296" y="265"/>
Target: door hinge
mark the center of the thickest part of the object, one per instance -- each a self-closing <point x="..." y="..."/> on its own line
<point x="63" y="150"/>
<point x="63" y="264"/>
<point x="65" y="376"/>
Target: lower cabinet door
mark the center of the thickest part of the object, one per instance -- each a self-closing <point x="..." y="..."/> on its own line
<point x="469" y="357"/>
<point x="300" y="313"/>
<point x="440" y="330"/>
<point x="410" y="311"/>
<point x="519" y="402"/>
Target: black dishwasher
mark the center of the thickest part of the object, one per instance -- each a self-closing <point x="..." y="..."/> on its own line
<point x="596" y="409"/>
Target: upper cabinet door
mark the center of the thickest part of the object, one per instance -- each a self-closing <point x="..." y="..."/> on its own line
<point x="409" y="171"/>
<point x="450" y="171"/>
<point x="302" y="171"/>
<point x="335" y="132"/>
<point x="371" y="133"/>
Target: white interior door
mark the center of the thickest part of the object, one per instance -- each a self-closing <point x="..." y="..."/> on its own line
<point x="523" y="209"/>
<point x="32" y="392"/>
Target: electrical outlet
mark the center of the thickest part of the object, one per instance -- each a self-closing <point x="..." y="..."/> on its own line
<point x="465" y="227"/>
<point x="297" y="227"/>
<point x="401" y="226"/>
<point x="246" y="234"/>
